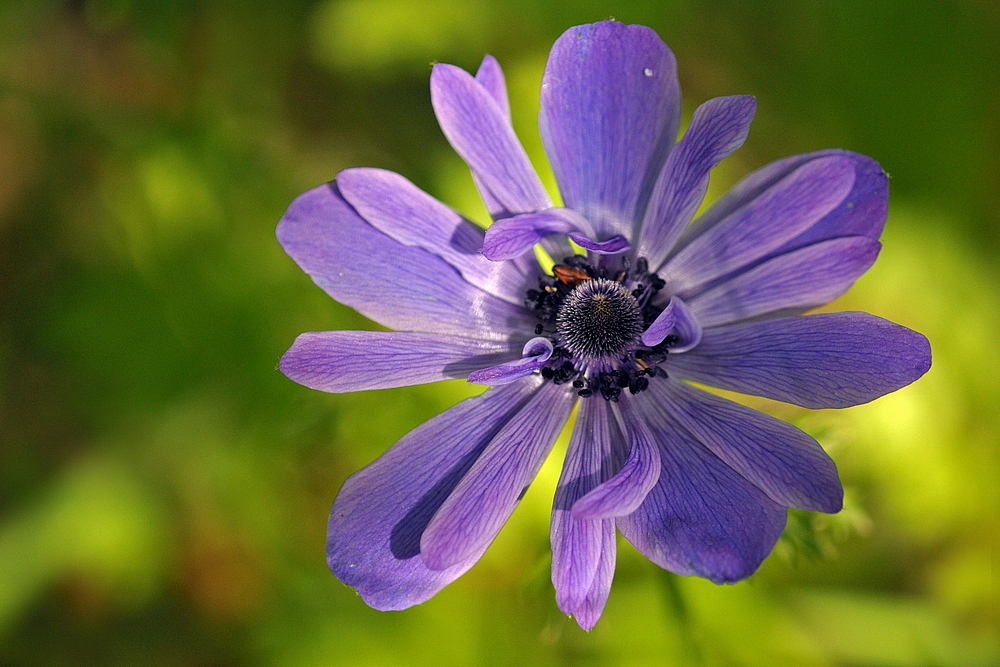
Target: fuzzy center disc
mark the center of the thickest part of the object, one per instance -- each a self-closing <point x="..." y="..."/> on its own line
<point x="599" y="319"/>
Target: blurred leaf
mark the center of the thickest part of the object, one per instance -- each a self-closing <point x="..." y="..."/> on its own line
<point x="374" y="35"/>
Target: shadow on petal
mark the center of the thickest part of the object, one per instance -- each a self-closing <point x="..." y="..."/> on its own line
<point x="404" y="540"/>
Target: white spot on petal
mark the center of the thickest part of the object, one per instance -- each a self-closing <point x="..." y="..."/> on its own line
<point x="647" y="72"/>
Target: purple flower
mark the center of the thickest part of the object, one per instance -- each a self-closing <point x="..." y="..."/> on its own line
<point x="699" y="484"/>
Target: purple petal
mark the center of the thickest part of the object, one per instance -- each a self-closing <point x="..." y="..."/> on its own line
<point x="398" y="286"/>
<point x="782" y="461"/>
<point x="373" y="540"/>
<point x="478" y="130"/>
<point x="481" y="503"/>
<point x="536" y="354"/>
<point x="804" y="278"/>
<point x="677" y="320"/>
<point x="610" y="112"/>
<point x="396" y="207"/>
<point x="718" y="128"/>
<point x="702" y="517"/>
<point x="589" y="611"/>
<point x="765" y="224"/>
<point x="490" y="77"/>
<point x="513" y="236"/>
<point x="862" y="213"/>
<point x="595" y="452"/>
<point x="622" y="494"/>
<point x="342" y="361"/>
<point x="831" y="360"/>
<point x="612" y="246"/>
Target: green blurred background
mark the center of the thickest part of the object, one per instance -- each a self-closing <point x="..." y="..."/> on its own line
<point x="164" y="490"/>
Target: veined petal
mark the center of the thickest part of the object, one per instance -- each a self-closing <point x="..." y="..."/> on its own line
<point x="398" y="286"/>
<point x="343" y="361"/>
<point x="677" y="320"/>
<point x="622" y="494"/>
<point x="396" y="207"/>
<point x="478" y="130"/>
<point x="595" y="452"/>
<point x="610" y="112"/>
<point x="536" y="354"/>
<point x="612" y="246"/>
<point x="862" y="212"/>
<point x="830" y="360"/>
<point x="718" y="127"/>
<point x="590" y="610"/>
<point x="782" y="461"/>
<point x="514" y="236"/>
<point x="373" y="539"/>
<point x="490" y="77"/>
<point x="765" y="224"/>
<point x="702" y="517"/>
<point x="804" y="278"/>
<point x="475" y="512"/>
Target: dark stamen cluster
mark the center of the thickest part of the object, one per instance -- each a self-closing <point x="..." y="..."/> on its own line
<point x="591" y="316"/>
<point x="560" y="368"/>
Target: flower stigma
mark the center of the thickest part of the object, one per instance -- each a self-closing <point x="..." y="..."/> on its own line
<point x="599" y="317"/>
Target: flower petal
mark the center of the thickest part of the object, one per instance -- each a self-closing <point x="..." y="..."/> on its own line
<point x="804" y="278"/>
<point x="396" y="207"/>
<point x="398" y="286"/>
<point x="536" y="354"/>
<point x="612" y="246"/>
<point x="677" y="320"/>
<point x="516" y="235"/>
<point x="595" y="451"/>
<point x="862" y="213"/>
<point x="343" y="361"/>
<point x="782" y="461"/>
<point x="373" y="539"/>
<point x="590" y="610"/>
<point x="610" y="112"/>
<point x="490" y="77"/>
<point x="478" y="130"/>
<point x="622" y="494"/>
<point x="513" y="236"/>
<point x="765" y="224"/>
<point x="475" y="512"/>
<point x="718" y="127"/>
<point x="830" y="360"/>
<point x="702" y="517"/>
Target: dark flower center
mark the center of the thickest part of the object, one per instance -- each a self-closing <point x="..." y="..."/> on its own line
<point x="594" y="318"/>
<point x="599" y="319"/>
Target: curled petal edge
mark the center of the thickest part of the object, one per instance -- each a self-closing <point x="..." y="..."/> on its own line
<point x="512" y="237"/>
<point x="536" y="354"/>
<point x="678" y="320"/>
<point x="623" y="493"/>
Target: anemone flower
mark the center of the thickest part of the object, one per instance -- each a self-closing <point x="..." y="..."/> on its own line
<point x="699" y="484"/>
